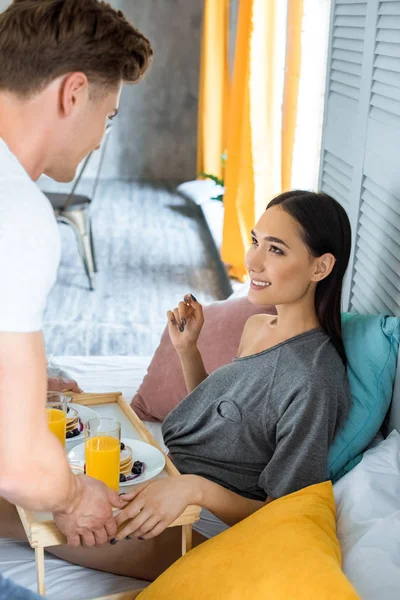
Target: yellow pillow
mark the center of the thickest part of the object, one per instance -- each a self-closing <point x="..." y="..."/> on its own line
<point x="287" y="550"/>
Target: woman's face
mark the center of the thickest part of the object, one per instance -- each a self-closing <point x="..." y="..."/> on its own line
<point x="280" y="265"/>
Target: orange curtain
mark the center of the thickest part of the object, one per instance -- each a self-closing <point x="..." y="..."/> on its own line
<point x="253" y="173"/>
<point x="214" y="88"/>
<point x="255" y="119"/>
<point x="291" y="89"/>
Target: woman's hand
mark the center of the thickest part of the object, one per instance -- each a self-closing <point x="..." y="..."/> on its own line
<point x="185" y="323"/>
<point x="155" y="505"/>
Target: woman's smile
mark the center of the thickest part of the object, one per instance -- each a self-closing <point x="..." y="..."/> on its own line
<point x="257" y="284"/>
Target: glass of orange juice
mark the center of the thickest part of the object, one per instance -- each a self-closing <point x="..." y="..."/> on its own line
<point x="56" y="407"/>
<point x="102" y="450"/>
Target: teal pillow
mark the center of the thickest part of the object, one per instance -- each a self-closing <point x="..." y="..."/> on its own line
<point x="371" y="343"/>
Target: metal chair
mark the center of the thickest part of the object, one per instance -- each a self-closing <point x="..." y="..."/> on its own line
<point x="73" y="210"/>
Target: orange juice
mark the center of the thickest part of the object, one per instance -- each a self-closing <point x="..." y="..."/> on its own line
<point x="57" y="420"/>
<point x="102" y="459"/>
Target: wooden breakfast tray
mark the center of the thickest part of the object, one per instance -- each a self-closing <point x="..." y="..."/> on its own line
<point x="41" y="530"/>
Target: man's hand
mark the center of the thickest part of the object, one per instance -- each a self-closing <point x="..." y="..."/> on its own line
<point x="90" y="522"/>
<point x="61" y="384"/>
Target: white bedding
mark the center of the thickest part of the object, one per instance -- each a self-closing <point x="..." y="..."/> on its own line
<point x="65" y="581"/>
<point x="368" y="521"/>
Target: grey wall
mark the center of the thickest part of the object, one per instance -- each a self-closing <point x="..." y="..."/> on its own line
<point x="155" y="134"/>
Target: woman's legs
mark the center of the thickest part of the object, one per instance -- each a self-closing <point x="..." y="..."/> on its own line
<point x="142" y="559"/>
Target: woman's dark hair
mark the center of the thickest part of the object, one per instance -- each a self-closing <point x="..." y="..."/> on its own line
<point x="325" y="228"/>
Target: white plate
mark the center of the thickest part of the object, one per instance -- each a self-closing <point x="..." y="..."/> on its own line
<point x="85" y="414"/>
<point x="152" y="457"/>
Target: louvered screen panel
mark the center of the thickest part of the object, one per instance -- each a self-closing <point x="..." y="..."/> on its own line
<point x="347" y="48"/>
<point x="341" y="139"/>
<point x="336" y="179"/>
<point x="385" y="99"/>
<point x="376" y="279"/>
<point x="360" y="154"/>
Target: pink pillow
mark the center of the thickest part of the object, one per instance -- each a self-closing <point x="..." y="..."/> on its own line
<point x="164" y="386"/>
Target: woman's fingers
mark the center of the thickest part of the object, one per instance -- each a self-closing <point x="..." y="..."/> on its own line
<point x="133" y="525"/>
<point x="186" y="310"/>
<point x="190" y="300"/>
<point x="129" y="496"/>
<point x="177" y="317"/>
<point x="147" y="527"/>
<point x="183" y="314"/>
<point x="132" y="510"/>
<point x="171" y="317"/>
<point x="192" y="306"/>
<point x="159" y="528"/>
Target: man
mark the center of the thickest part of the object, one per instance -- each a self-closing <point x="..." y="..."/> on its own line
<point x="62" y="65"/>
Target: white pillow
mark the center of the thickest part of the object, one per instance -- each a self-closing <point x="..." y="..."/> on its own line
<point x="368" y="521"/>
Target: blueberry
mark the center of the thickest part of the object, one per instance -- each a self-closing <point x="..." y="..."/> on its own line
<point x="122" y="478"/>
<point x="69" y="435"/>
<point x="122" y="446"/>
<point x="75" y="432"/>
<point x="84" y="469"/>
<point x="137" y="469"/>
<point x="138" y="463"/>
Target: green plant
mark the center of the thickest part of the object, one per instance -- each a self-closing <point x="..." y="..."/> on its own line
<point x="216" y="179"/>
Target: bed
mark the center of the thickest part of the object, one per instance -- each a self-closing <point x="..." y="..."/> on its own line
<point x="65" y="581"/>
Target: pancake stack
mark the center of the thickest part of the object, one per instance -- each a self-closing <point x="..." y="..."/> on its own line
<point x="126" y="461"/>
<point x="74" y="424"/>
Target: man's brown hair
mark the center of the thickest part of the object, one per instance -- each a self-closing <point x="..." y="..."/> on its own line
<point x="41" y="40"/>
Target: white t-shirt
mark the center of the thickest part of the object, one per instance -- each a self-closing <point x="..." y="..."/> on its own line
<point x="29" y="247"/>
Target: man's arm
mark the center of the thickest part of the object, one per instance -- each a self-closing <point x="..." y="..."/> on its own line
<point x="34" y="471"/>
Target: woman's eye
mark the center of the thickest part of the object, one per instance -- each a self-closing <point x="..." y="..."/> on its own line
<point x="275" y="250"/>
<point x="254" y="241"/>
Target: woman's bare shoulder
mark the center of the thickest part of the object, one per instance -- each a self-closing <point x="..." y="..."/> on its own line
<point x="251" y="328"/>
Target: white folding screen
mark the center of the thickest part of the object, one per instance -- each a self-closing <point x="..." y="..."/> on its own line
<point x="360" y="162"/>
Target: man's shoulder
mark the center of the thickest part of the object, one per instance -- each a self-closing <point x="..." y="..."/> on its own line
<point x="28" y="227"/>
<point x="22" y="201"/>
